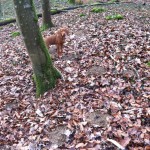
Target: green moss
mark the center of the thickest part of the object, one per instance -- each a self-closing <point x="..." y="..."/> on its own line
<point x="82" y="15"/>
<point x="148" y="63"/>
<point x="71" y="1"/>
<point x="8" y="20"/>
<point x="44" y="81"/>
<point x="47" y="80"/>
<point x="114" y="17"/>
<point x="98" y="10"/>
<point x="40" y="87"/>
<point x="78" y="2"/>
<point x="57" y="73"/>
<point x="34" y="10"/>
<point x="44" y="27"/>
<point x="54" y="11"/>
<point x="33" y="78"/>
<point x="14" y="34"/>
<point x="36" y="18"/>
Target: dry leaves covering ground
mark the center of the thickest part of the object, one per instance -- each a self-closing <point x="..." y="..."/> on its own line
<point x="104" y="94"/>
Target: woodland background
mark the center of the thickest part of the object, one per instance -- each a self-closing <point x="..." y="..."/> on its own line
<point x="106" y="88"/>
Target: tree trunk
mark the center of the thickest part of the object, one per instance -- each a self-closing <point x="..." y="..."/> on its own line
<point x="1" y="14"/>
<point x="71" y="1"/>
<point x="46" y="14"/>
<point x="45" y="74"/>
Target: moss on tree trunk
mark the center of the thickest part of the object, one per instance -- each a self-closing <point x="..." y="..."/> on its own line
<point x="45" y="74"/>
<point x="71" y="1"/>
<point x="46" y="80"/>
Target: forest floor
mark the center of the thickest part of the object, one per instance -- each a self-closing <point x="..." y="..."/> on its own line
<point x="105" y="92"/>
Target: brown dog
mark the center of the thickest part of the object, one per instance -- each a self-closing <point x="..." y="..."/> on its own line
<point x="57" y="39"/>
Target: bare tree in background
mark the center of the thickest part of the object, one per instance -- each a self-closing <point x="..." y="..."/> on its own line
<point x="1" y="13"/>
<point x="46" y="14"/>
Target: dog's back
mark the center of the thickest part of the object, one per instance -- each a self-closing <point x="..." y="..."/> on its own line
<point x="50" y="40"/>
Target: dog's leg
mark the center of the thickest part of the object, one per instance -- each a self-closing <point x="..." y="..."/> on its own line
<point x="59" y="50"/>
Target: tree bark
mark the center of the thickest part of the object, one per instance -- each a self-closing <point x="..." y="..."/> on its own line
<point x="71" y="1"/>
<point x="1" y="14"/>
<point x="46" y="14"/>
<point x="45" y="74"/>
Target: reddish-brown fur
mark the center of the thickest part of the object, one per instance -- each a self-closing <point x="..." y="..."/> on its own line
<point x="57" y="39"/>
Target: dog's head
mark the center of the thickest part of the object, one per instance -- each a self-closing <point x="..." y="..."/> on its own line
<point x="64" y="32"/>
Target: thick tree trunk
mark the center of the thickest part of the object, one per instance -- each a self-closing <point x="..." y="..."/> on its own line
<point x="46" y="14"/>
<point x="45" y="74"/>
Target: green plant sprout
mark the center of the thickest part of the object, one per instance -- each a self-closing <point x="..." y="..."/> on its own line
<point x="14" y="34"/>
<point x="148" y="63"/>
<point x="114" y="17"/>
<point x="98" y="10"/>
<point x="81" y="15"/>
